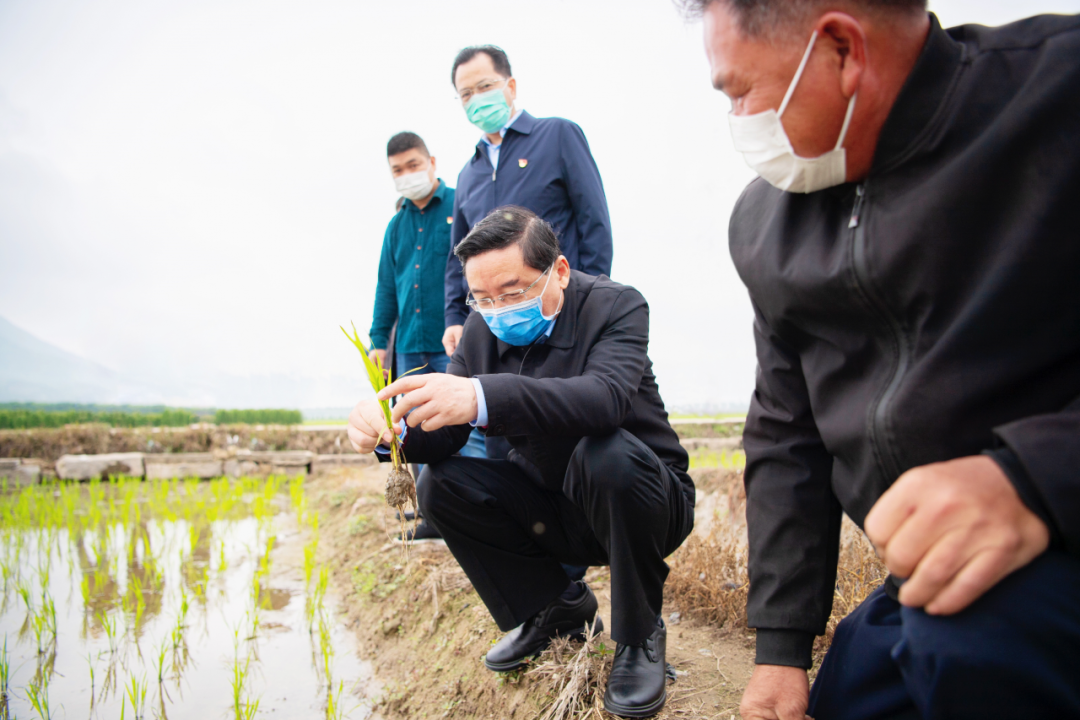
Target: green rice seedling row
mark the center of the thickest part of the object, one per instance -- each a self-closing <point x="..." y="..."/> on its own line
<point x="168" y="598"/>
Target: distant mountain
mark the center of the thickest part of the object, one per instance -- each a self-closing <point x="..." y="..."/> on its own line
<point x="32" y="370"/>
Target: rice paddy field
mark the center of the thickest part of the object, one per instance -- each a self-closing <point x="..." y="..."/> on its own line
<point x="170" y="599"/>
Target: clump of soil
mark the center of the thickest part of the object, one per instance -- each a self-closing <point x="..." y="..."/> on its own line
<point x="400" y="489"/>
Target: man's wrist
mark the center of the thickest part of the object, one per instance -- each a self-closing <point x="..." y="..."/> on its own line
<point x="794" y="648"/>
<point x="1017" y="475"/>
<point x="481" y="419"/>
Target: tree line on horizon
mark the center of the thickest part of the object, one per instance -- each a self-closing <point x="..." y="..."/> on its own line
<point x="25" y="416"/>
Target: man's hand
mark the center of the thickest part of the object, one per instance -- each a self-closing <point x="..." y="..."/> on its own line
<point x="378" y="357"/>
<point x="776" y="692"/>
<point x="451" y="338"/>
<point x="438" y="399"/>
<point x="367" y="426"/>
<point x="953" y="529"/>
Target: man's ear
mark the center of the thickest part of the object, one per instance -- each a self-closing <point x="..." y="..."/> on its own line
<point x="511" y="85"/>
<point x="562" y="269"/>
<point x="432" y="159"/>
<point x="849" y="45"/>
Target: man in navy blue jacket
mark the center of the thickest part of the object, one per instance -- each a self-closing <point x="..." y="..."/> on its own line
<point x="543" y="164"/>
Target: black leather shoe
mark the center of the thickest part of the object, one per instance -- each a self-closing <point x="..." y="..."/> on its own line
<point x="529" y="639"/>
<point x="637" y="686"/>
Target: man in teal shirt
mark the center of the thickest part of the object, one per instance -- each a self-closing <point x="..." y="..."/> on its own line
<point x="410" y="291"/>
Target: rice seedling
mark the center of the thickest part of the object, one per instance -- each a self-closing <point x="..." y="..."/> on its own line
<point x="334" y="710"/>
<point x="326" y="649"/>
<point x="5" y="678"/>
<point x="108" y="624"/>
<point x="400" y="485"/>
<point x="38" y="696"/>
<point x="309" y="559"/>
<point x="136" y="695"/>
<point x="90" y="664"/>
<point x="243" y="708"/>
<point x="162" y="649"/>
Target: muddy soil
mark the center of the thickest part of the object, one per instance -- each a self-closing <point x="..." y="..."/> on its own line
<point x="425" y="631"/>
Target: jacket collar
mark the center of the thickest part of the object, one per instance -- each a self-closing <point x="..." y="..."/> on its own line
<point x="562" y="336"/>
<point x="920" y="100"/>
<point x="523" y="125"/>
<point x="439" y="195"/>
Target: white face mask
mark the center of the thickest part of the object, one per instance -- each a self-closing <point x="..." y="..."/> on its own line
<point x="766" y="148"/>
<point x="415" y="186"/>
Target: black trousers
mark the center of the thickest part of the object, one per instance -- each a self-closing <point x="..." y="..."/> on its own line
<point x="1013" y="653"/>
<point x="619" y="506"/>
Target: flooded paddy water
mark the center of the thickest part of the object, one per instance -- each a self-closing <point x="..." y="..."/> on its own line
<point x="170" y="599"/>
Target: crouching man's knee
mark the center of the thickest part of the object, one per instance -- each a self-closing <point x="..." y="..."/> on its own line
<point x="609" y="463"/>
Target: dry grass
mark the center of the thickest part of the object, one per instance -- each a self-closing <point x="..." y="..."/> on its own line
<point x="575" y="675"/>
<point x="709" y="575"/>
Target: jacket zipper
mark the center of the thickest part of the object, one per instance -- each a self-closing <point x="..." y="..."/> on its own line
<point x="878" y="422"/>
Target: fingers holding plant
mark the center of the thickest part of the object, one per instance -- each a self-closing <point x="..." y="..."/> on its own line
<point x="367" y="426"/>
<point x="435" y="400"/>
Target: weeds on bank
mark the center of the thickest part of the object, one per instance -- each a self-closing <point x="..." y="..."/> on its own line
<point x="575" y="676"/>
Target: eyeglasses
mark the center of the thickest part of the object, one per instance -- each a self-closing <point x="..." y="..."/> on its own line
<point x="506" y="299"/>
<point x="481" y="87"/>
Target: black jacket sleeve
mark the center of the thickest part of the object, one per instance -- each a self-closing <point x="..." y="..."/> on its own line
<point x="1041" y="456"/>
<point x="792" y="516"/>
<point x="593" y="403"/>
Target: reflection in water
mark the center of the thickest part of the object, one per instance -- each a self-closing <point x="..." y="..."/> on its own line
<point x="169" y="599"/>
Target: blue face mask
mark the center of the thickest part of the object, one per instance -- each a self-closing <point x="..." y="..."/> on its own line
<point x="521" y="324"/>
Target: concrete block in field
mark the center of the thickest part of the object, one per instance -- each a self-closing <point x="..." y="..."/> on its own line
<point x="183" y="465"/>
<point x="28" y="474"/>
<point x="728" y="443"/>
<point x="86" y="467"/>
<point x="326" y="462"/>
<point x="17" y="473"/>
<point x="231" y="468"/>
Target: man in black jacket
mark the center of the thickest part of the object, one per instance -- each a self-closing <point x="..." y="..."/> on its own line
<point x="912" y="252"/>
<point x="557" y="362"/>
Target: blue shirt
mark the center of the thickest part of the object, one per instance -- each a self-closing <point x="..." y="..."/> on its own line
<point x="545" y="165"/>
<point x="492" y="149"/>
<point x="411" y="276"/>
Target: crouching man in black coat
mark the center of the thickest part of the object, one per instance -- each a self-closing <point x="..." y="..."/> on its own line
<point x="913" y="256"/>
<point x="557" y="362"/>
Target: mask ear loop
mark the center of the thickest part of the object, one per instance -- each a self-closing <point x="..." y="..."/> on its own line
<point x="798" y="75"/>
<point x="847" y="121"/>
<point x="561" y="297"/>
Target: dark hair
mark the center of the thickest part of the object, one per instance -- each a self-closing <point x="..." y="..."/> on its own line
<point x="507" y="225"/>
<point x="405" y="141"/>
<point x="497" y="55"/>
<point x="762" y="18"/>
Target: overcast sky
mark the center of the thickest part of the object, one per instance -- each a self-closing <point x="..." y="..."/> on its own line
<point x="199" y="189"/>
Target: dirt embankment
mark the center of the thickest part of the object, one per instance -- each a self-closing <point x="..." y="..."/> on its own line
<point x="424" y="629"/>
<point x="48" y="444"/>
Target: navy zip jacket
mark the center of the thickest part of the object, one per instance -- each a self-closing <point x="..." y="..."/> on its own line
<point x="928" y="313"/>
<point x="544" y="165"/>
